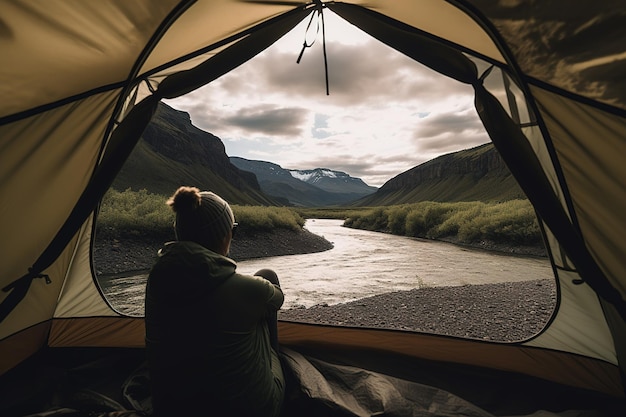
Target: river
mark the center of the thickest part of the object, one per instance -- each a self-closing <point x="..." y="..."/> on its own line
<point x="363" y="264"/>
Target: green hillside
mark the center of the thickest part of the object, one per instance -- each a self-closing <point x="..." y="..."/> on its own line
<point x="172" y="152"/>
<point x="476" y="174"/>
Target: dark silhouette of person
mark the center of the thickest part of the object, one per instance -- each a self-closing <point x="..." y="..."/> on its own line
<point x="211" y="333"/>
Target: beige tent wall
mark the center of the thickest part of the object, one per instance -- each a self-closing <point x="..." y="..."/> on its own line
<point x="47" y="161"/>
<point x="45" y="169"/>
<point x="208" y="22"/>
<point x="40" y="302"/>
<point x="579" y="326"/>
<point x="82" y="46"/>
<point x="439" y="18"/>
<point x="80" y="296"/>
<point x="27" y="327"/>
<point x="98" y="332"/>
<point x="591" y="147"/>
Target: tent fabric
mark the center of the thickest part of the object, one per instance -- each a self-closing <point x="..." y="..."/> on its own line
<point x="330" y="389"/>
<point x="578" y="327"/>
<point x="565" y="368"/>
<point x="598" y="190"/>
<point x="352" y="391"/>
<point x="316" y="387"/>
<point x="443" y="19"/>
<point x="435" y="55"/>
<point x="85" y="79"/>
<point x="77" y="295"/>
<point x="524" y="164"/>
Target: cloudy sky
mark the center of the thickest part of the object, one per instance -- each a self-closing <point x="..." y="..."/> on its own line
<point x="384" y="115"/>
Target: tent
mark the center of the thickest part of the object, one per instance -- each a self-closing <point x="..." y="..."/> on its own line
<point x="81" y="80"/>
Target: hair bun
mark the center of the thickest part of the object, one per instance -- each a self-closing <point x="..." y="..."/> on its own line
<point x="185" y="199"/>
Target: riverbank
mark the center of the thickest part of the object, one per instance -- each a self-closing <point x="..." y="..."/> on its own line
<point x="503" y="312"/>
<point x="119" y="255"/>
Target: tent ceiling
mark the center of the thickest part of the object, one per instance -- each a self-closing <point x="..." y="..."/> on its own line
<point x="580" y="49"/>
<point x="81" y="45"/>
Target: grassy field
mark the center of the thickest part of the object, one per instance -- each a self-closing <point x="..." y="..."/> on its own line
<point x="511" y="222"/>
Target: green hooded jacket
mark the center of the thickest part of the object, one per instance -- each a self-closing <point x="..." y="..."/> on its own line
<point x="207" y="337"/>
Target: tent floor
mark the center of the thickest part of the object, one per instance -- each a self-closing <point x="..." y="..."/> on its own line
<point x="93" y="379"/>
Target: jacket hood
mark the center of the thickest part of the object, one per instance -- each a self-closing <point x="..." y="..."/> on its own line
<point x="195" y="260"/>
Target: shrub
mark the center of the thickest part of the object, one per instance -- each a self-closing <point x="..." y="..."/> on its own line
<point x="415" y="224"/>
<point x="512" y="222"/>
<point x="134" y="212"/>
<point x="397" y="219"/>
<point x="373" y="219"/>
<point x="458" y="219"/>
<point x="434" y="215"/>
<point x="261" y="218"/>
<point x="141" y="213"/>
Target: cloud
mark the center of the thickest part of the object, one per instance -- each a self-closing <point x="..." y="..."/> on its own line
<point x="385" y="113"/>
<point x="269" y="120"/>
<point x="450" y="124"/>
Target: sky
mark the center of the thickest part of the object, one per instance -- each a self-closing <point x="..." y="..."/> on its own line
<point x="384" y="114"/>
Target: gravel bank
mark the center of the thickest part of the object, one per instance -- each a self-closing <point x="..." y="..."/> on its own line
<point x="505" y="312"/>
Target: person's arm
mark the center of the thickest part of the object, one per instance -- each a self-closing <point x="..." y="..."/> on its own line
<point x="253" y="297"/>
<point x="275" y="301"/>
<point x="276" y="298"/>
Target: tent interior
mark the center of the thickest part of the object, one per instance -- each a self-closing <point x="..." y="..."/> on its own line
<point x="85" y="82"/>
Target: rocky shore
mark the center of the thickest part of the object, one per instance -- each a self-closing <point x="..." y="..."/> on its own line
<point x="504" y="312"/>
<point x="119" y="255"/>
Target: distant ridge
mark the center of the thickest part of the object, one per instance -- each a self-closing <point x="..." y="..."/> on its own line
<point x="310" y="188"/>
<point x="333" y="181"/>
<point x="476" y="174"/>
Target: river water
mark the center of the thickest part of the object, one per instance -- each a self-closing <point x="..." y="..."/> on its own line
<point x="362" y="264"/>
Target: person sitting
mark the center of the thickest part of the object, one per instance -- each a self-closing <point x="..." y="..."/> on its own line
<point x="211" y="333"/>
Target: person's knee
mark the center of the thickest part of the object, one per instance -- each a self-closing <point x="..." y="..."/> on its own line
<point x="269" y="275"/>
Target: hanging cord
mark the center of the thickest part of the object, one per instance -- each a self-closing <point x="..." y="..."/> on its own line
<point x="324" y="49"/>
<point x="319" y="9"/>
<point x="305" y="44"/>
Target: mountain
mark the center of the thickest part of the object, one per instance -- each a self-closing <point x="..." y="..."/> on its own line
<point x="312" y="188"/>
<point x="173" y="152"/>
<point x="477" y="174"/>
<point x="333" y="181"/>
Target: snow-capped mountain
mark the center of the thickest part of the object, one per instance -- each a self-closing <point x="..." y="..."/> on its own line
<point x="316" y="187"/>
<point x="332" y="181"/>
